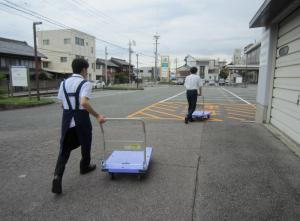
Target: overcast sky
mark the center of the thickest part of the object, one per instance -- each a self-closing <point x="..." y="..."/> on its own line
<point x="201" y="28"/>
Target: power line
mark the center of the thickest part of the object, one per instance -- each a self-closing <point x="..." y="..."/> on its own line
<point x="49" y="20"/>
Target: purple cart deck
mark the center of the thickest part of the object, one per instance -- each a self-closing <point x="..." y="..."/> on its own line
<point x="121" y="161"/>
<point x="201" y="114"/>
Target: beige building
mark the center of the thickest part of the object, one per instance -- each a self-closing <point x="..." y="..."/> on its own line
<point x="62" y="46"/>
<point x="208" y="69"/>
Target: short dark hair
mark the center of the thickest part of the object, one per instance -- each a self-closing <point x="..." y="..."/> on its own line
<point x="78" y="64"/>
<point x="193" y="70"/>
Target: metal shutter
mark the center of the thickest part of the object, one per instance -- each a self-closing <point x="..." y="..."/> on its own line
<point x="285" y="112"/>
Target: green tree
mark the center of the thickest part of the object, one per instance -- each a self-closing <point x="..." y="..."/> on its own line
<point x="121" y="78"/>
<point x="224" y="73"/>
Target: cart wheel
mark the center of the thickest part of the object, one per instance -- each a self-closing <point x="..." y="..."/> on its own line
<point x="139" y="176"/>
<point x="112" y="176"/>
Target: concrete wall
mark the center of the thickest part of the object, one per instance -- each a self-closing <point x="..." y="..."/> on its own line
<point x="266" y="70"/>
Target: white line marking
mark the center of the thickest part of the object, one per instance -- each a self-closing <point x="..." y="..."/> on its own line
<point x="169" y="98"/>
<point x="233" y="94"/>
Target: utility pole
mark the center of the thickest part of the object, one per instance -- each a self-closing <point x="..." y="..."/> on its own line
<point x="156" y="37"/>
<point x="105" y="66"/>
<point x="129" y="68"/>
<point x="176" y="68"/>
<point x="137" y="70"/>
<point x="36" y="60"/>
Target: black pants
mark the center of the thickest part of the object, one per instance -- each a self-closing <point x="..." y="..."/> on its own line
<point x="191" y="96"/>
<point x="71" y="142"/>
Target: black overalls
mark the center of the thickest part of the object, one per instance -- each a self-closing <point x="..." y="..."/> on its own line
<point x="71" y="138"/>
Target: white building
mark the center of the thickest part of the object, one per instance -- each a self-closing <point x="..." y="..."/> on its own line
<point x="208" y="69"/>
<point x="237" y="56"/>
<point x="146" y="72"/>
<point x="62" y="46"/>
<point x="278" y="94"/>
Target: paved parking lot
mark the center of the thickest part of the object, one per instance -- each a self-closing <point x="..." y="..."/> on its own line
<point x="225" y="170"/>
<point x="224" y="103"/>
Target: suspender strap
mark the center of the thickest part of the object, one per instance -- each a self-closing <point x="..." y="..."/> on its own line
<point x="77" y="94"/>
<point x="67" y="96"/>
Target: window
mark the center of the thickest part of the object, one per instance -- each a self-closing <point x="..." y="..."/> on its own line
<point x="63" y="59"/>
<point x="202" y="71"/>
<point x="79" y="41"/>
<point x="92" y="50"/>
<point x="78" y="56"/>
<point x="2" y="62"/>
<point x="67" y="41"/>
<point x="46" y="42"/>
<point x="45" y="65"/>
<point x="98" y="66"/>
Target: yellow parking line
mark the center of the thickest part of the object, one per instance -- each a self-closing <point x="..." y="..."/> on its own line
<point x="237" y="118"/>
<point x="173" y="115"/>
<point x="164" y="105"/>
<point x="240" y="111"/>
<point x="150" y="115"/>
<point x="163" y="108"/>
<point x="141" y="110"/>
<point x="242" y="115"/>
<point x="215" y="120"/>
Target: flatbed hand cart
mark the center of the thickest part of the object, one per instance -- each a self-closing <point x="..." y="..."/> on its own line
<point x="128" y="156"/>
<point x="201" y="114"/>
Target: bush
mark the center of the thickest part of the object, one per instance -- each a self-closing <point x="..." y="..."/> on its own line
<point x="121" y="78"/>
<point x="2" y="77"/>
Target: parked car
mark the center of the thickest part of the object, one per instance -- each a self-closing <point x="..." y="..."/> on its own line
<point x="211" y="82"/>
<point x="221" y="82"/>
<point x="180" y="81"/>
<point x="227" y="81"/>
<point x="98" y="84"/>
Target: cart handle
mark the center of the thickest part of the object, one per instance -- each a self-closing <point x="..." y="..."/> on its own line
<point x="141" y="120"/>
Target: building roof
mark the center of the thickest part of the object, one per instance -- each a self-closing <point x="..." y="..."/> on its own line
<point x="269" y="10"/>
<point x="109" y="63"/>
<point x="15" y="47"/>
<point x="120" y="61"/>
<point x="252" y="47"/>
<point x="184" y="68"/>
<point x="242" y="67"/>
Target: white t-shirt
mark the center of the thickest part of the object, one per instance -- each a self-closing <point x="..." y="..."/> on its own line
<point x="193" y="82"/>
<point x="71" y="85"/>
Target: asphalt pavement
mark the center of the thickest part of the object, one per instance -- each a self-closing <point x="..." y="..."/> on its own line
<point x="227" y="168"/>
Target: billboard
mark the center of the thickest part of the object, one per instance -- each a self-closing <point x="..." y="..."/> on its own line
<point x="165" y="67"/>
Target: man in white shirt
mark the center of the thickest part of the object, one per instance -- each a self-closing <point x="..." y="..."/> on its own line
<point x="76" y="129"/>
<point x="193" y="85"/>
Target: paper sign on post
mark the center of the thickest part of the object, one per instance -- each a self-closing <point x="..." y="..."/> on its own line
<point x="19" y="76"/>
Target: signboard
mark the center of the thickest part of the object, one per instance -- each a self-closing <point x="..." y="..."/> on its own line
<point x="19" y="76"/>
<point x="238" y="80"/>
<point x="164" y="67"/>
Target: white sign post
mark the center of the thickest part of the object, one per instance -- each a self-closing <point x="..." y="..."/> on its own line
<point x="19" y="78"/>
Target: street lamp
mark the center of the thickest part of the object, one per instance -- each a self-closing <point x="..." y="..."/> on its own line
<point x="36" y="60"/>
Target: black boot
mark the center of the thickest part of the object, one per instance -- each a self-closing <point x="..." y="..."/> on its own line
<point x="56" y="185"/>
<point x="85" y="170"/>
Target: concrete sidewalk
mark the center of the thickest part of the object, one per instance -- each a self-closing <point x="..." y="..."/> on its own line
<point x="245" y="173"/>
